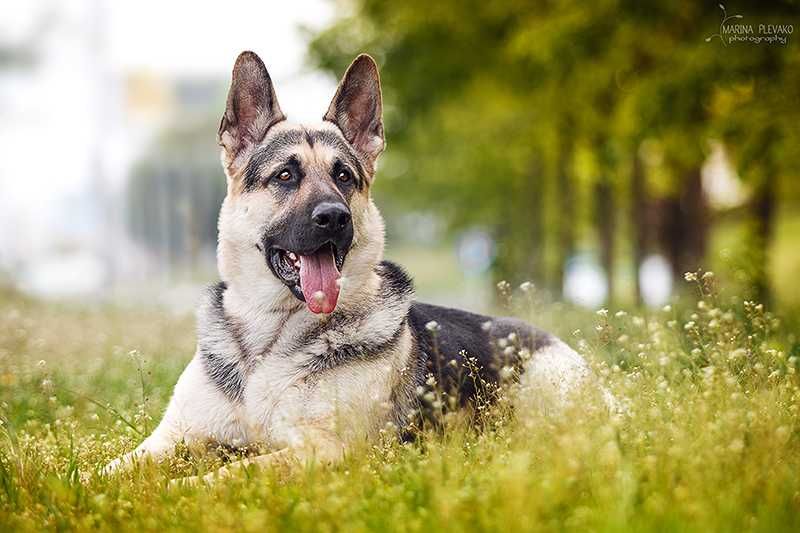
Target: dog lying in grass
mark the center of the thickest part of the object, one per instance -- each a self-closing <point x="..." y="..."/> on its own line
<point x="311" y="341"/>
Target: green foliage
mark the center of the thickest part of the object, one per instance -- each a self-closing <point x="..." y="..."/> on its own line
<point x="503" y="108"/>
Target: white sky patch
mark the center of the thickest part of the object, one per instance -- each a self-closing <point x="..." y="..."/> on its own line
<point x="63" y="119"/>
<point x="203" y="39"/>
<point x="720" y="181"/>
<point x="655" y="280"/>
<point x="585" y="282"/>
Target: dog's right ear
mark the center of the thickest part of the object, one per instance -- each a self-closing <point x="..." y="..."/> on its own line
<point x="251" y="110"/>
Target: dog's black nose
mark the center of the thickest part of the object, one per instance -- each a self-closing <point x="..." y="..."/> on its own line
<point x="330" y="216"/>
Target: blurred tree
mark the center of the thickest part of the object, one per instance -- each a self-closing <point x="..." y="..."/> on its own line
<point x="521" y="113"/>
<point x="174" y="194"/>
<point x="757" y="115"/>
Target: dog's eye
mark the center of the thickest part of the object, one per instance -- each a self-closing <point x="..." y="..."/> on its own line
<point x="343" y="176"/>
<point x="285" y="175"/>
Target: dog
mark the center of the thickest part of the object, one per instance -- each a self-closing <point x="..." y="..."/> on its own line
<point x="311" y="341"/>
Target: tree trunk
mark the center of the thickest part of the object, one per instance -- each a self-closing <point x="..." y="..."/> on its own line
<point x="605" y="212"/>
<point x="639" y="225"/>
<point x="566" y="204"/>
<point x="670" y="234"/>
<point x="604" y="196"/>
<point x="684" y="225"/>
<point x="694" y="208"/>
<point x="520" y="235"/>
<point x="535" y="215"/>
<point x="764" y="207"/>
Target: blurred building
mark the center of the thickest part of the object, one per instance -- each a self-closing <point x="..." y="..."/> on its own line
<point x="87" y="90"/>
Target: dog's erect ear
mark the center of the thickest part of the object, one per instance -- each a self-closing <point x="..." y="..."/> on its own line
<point x="356" y="108"/>
<point x="251" y="110"/>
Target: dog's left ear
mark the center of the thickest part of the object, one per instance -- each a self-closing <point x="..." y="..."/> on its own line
<point x="357" y="109"/>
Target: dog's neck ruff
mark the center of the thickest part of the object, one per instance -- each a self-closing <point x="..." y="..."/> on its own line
<point x="308" y="342"/>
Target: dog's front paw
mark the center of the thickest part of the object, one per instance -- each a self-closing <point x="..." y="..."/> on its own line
<point x="204" y="480"/>
<point x="113" y="467"/>
<point x="181" y="482"/>
<point x="122" y="463"/>
<point x="197" y="481"/>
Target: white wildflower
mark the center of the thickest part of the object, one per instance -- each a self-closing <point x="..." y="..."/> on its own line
<point x="433" y="326"/>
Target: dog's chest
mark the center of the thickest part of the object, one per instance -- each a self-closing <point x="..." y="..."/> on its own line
<point x="274" y="395"/>
<point x="281" y="389"/>
<point x="282" y="373"/>
<point x="282" y="400"/>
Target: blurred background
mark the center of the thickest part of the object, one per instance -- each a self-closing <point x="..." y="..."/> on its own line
<point x="597" y="150"/>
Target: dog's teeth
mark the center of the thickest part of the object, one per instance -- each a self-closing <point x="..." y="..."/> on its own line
<point x="297" y="264"/>
<point x="292" y="256"/>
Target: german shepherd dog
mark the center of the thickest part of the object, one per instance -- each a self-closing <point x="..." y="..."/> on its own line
<point x="311" y="342"/>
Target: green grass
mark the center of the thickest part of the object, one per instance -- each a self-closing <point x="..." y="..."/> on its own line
<point x="709" y="439"/>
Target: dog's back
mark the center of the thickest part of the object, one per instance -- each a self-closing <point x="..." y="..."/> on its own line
<point x="464" y="351"/>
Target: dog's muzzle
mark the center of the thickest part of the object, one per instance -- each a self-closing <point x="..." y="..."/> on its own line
<point x="307" y="254"/>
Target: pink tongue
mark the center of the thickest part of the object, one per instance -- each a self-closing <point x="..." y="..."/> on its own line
<point x="318" y="275"/>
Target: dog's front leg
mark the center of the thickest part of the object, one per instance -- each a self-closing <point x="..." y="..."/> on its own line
<point x="312" y="444"/>
<point x="284" y="456"/>
<point x="197" y="412"/>
<point x="159" y="444"/>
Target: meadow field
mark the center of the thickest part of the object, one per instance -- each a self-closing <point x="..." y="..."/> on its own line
<point x="706" y="440"/>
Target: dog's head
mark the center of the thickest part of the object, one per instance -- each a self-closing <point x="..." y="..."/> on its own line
<point x="298" y="221"/>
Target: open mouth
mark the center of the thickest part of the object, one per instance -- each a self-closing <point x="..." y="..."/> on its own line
<point x="312" y="277"/>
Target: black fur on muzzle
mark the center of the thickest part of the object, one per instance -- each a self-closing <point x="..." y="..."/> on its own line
<point x="306" y="232"/>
